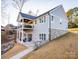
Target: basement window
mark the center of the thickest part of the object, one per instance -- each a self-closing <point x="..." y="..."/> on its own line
<point x="42" y="36"/>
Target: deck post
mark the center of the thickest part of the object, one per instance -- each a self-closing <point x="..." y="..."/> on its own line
<point x="17" y="32"/>
<point x="22" y="29"/>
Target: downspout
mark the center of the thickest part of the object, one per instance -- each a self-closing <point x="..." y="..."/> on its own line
<point x="49" y="26"/>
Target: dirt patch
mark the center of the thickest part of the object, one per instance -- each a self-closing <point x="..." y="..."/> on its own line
<point x="64" y="47"/>
<point x="15" y="50"/>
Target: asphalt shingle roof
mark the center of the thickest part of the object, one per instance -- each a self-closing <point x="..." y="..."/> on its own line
<point x="34" y="17"/>
<point x="27" y="16"/>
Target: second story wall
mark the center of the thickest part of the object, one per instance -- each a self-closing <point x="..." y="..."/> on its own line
<point x="42" y="23"/>
<point x="41" y="26"/>
<point x="58" y="19"/>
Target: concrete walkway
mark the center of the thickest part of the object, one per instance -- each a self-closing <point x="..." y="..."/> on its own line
<point x="21" y="54"/>
<point x="14" y="51"/>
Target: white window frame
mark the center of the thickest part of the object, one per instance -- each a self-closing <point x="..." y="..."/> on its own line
<point x="42" y="36"/>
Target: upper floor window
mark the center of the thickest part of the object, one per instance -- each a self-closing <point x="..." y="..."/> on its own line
<point x="40" y="20"/>
<point x="60" y="21"/>
<point x="44" y="18"/>
<point x="52" y="18"/>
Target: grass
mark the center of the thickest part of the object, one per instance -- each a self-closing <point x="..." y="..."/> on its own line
<point x="74" y="30"/>
<point x="64" y="47"/>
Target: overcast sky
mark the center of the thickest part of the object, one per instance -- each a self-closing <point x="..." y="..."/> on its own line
<point x="34" y="5"/>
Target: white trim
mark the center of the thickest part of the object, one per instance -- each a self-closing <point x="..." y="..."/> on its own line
<point x="22" y="29"/>
<point x="28" y="18"/>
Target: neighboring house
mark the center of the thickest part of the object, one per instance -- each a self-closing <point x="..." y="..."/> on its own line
<point x="11" y="32"/>
<point x="8" y="36"/>
<point x="38" y="30"/>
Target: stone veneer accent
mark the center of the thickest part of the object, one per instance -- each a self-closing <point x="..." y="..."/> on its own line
<point x="57" y="33"/>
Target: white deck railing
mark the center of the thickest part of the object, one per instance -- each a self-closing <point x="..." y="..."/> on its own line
<point x="26" y="26"/>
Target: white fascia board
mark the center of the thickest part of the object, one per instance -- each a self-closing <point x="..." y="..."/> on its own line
<point x="27" y="18"/>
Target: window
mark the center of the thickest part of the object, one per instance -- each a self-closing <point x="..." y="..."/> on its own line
<point x="42" y="36"/>
<point x="44" y="18"/>
<point x="40" y="20"/>
<point x="60" y="21"/>
<point x="52" y="18"/>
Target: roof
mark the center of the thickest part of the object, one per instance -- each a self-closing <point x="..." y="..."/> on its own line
<point x="27" y="16"/>
<point x="34" y="17"/>
<point x="49" y="11"/>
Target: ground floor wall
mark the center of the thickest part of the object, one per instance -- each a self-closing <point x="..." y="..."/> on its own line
<point x="24" y="36"/>
<point x="57" y="33"/>
<point x="37" y="39"/>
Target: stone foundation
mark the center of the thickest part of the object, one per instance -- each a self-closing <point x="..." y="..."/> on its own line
<point x="57" y="33"/>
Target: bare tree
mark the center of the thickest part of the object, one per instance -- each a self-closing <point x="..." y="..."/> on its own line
<point x="4" y="15"/>
<point x="37" y="12"/>
<point x="3" y="6"/>
<point x="19" y="4"/>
